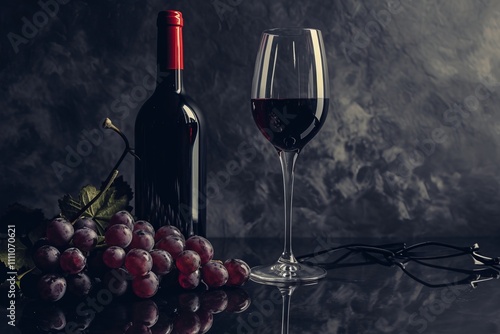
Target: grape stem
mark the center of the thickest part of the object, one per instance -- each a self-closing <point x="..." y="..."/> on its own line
<point x="114" y="173"/>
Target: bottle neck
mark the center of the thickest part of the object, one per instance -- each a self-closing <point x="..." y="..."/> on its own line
<point x="170" y="58"/>
<point x="170" y="80"/>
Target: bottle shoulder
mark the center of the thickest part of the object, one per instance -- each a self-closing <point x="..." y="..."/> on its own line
<point x="169" y="105"/>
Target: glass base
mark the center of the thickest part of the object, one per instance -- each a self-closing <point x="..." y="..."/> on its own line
<point x="286" y="273"/>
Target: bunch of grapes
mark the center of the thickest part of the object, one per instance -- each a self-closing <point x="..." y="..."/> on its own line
<point x="71" y="258"/>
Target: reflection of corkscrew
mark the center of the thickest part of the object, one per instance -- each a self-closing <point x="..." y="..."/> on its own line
<point x="275" y="122"/>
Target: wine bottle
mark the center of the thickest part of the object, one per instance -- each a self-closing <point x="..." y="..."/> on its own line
<point x="170" y="177"/>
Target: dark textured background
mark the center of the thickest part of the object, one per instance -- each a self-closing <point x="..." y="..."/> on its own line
<point x="410" y="146"/>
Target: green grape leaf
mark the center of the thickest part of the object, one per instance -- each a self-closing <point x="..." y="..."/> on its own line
<point x="117" y="197"/>
<point x="20" y="258"/>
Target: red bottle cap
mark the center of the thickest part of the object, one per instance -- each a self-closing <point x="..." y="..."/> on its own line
<point x="170" y="18"/>
<point x="171" y="54"/>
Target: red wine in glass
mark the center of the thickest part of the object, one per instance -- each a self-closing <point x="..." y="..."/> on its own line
<point x="289" y="124"/>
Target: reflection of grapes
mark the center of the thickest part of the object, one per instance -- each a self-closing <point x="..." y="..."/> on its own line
<point x="187" y="323"/>
<point x="214" y="301"/>
<point x="51" y="318"/>
<point x="206" y="320"/>
<point x="79" y="284"/>
<point x="145" y="312"/>
<point x="238" y="300"/>
<point x="189" y="302"/>
<point x="184" y="312"/>
<point x="189" y="281"/>
<point x="116" y="281"/>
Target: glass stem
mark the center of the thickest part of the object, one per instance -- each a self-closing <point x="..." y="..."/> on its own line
<point x="288" y="159"/>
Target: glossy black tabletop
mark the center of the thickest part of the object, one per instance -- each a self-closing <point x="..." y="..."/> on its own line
<point x="369" y="298"/>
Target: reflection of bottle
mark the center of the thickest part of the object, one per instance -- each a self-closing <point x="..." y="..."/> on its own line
<point x="169" y="140"/>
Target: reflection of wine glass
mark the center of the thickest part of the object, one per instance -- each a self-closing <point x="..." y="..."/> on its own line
<point x="290" y="98"/>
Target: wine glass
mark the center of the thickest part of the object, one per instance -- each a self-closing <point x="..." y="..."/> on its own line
<point x="289" y="99"/>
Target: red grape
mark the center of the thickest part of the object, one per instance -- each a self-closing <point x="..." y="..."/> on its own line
<point x="214" y="301"/>
<point x="201" y="246"/>
<point x="114" y="257"/>
<point x="142" y="239"/>
<point x="138" y="262"/>
<point x="187" y="323"/>
<point x="52" y="287"/>
<point x="46" y="258"/>
<point x="144" y="226"/>
<point x="188" y="261"/>
<point x="85" y="239"/>
<point x="72" y="260"/>
<point x="238" y="272"/>
<point x="118" y="235"/>
<point x="172" y="244"/>
<point x="166" y="231"/>
<point x="79" y="284"/>
<point x="122" y="217"/>
<point x="162" y="261"/>
<point x="85" y="222"/>
<point x="145" y="286"/>
<point x="59" y="232"/>
<point x="214" y="274"/>
<point x="189" y="281"/>
<point x="145" y="312"/>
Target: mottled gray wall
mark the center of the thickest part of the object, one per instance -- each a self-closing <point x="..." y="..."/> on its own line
<point x="410" y="147"/>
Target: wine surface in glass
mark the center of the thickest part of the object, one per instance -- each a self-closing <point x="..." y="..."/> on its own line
<point x="289" y="124"/>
